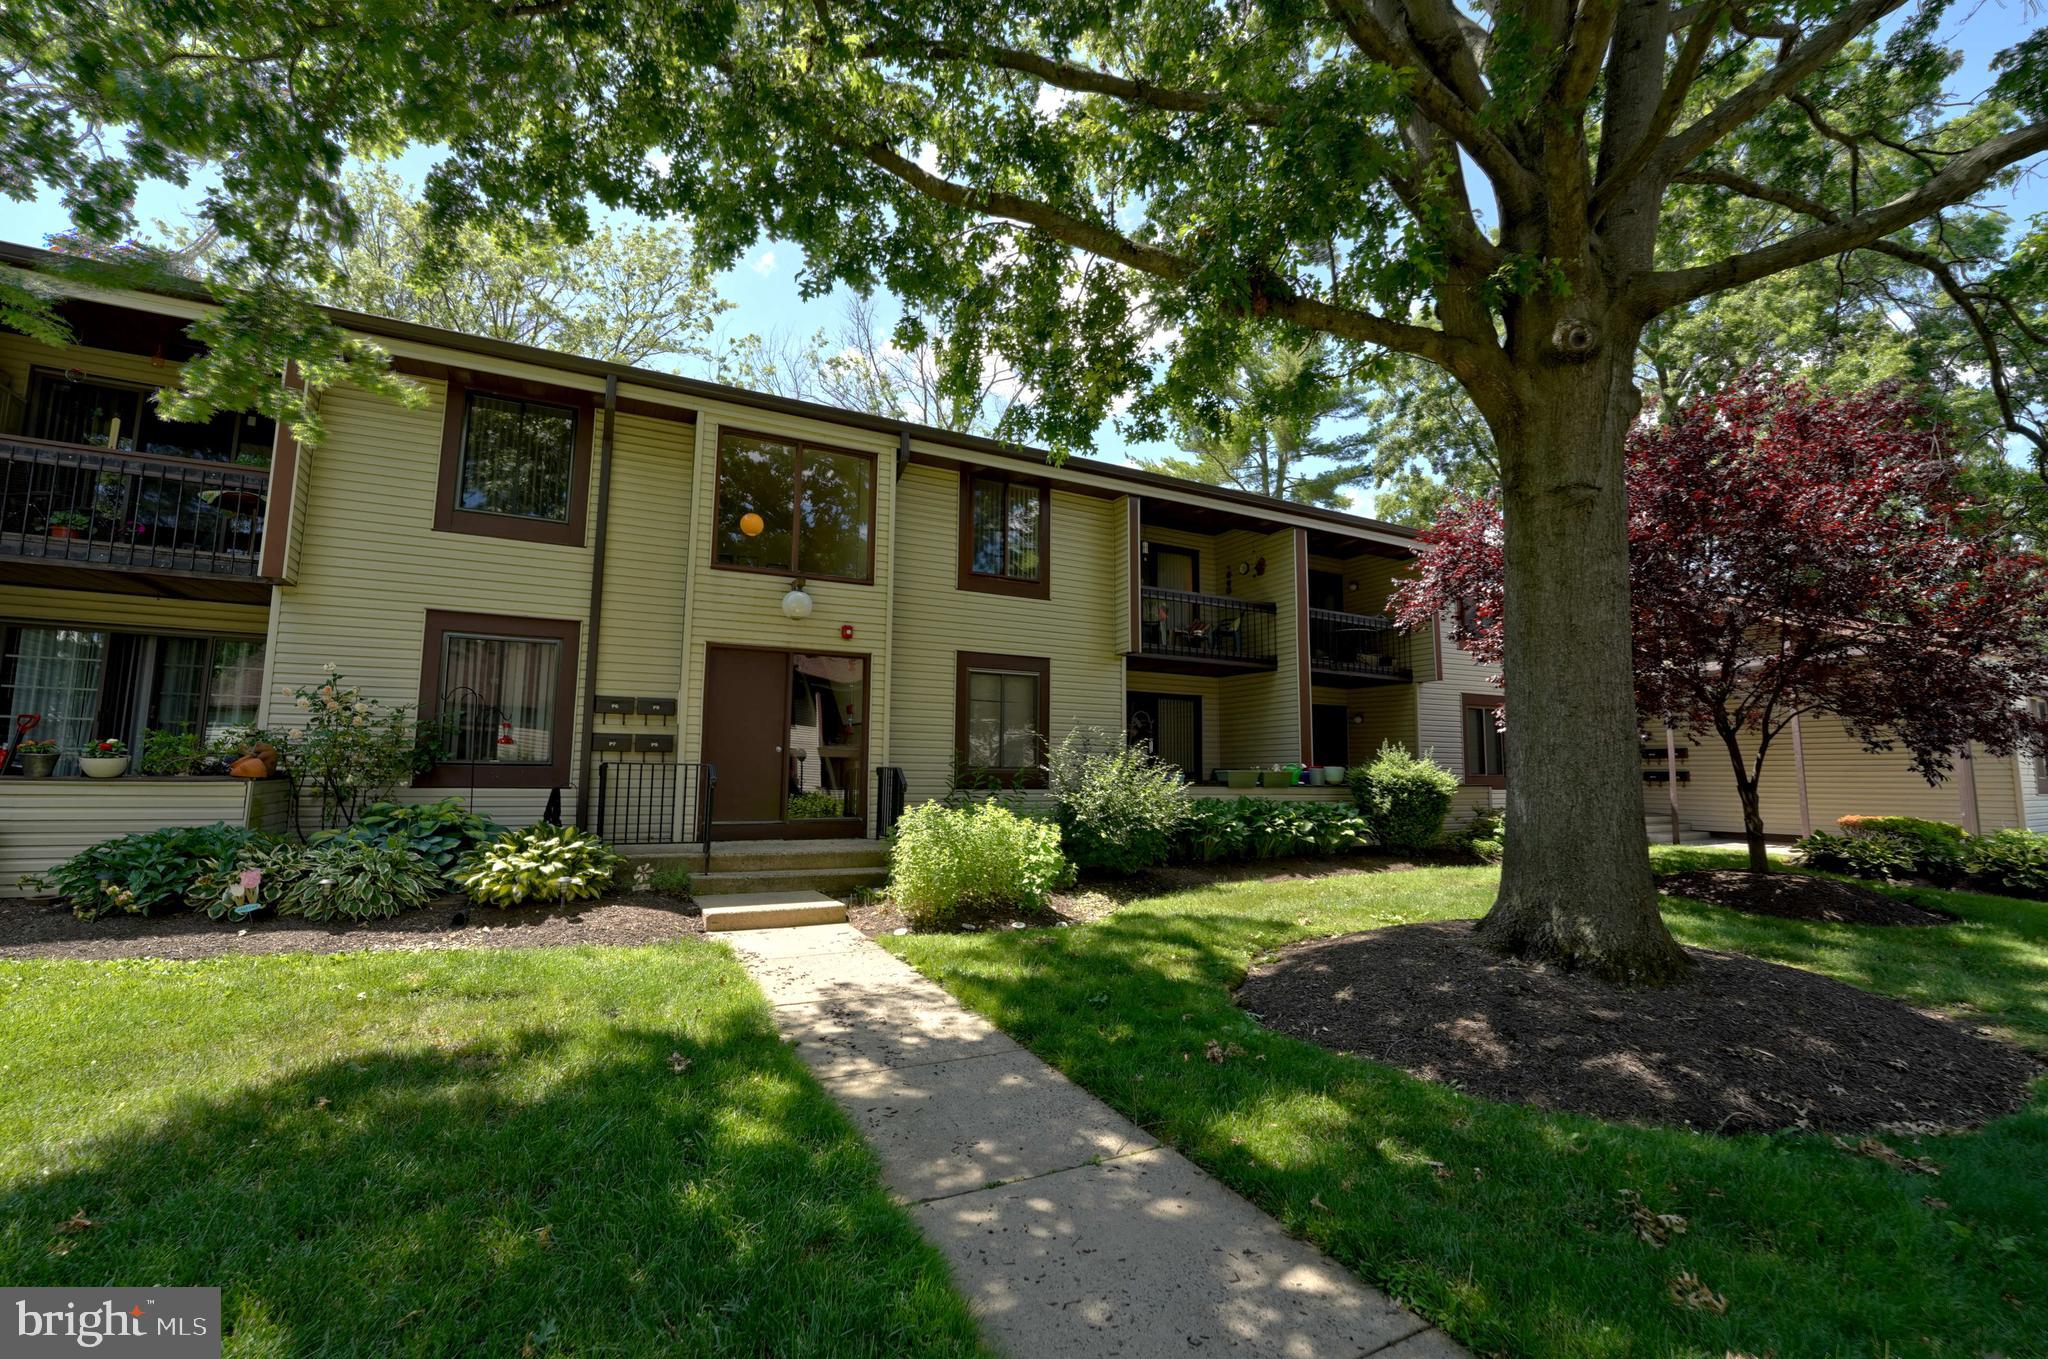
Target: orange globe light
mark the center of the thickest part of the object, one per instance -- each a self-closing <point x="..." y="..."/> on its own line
<point x="751" y="524"/>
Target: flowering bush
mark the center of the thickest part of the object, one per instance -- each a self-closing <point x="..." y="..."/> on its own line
<point x="352" y="750"/>
<point x="539" y="863"/>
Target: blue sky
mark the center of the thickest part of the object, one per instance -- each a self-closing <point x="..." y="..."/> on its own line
<point x="763" y="286"/>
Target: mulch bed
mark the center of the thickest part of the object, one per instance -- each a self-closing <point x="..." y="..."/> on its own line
<point x="1740" y="1046"/>
<point x="1798" y="896"/>
<point x="47" y="929"/>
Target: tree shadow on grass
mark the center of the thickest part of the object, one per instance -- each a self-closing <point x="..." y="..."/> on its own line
<point x="1505" y="1223"/>
<point x="540" y="1193"/>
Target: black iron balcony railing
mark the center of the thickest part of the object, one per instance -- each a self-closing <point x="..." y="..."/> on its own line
<point x="135" y="511"/>
<point x="1359" y="644"/>
<point x="1206" y="627"/>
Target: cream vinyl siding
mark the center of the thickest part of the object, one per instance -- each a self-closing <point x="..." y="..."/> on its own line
<point x="1262" y="712"/>
<point x="45" y="821"/>
<point x="1080" y="628"/>
<point x="131" y="613"/>
<point x="372" y="565"/>
<point x="1842" y="779"/>
<point x="1440" y="710"/>
<point x="744" y="608"/>
<point x="647" y="558"/>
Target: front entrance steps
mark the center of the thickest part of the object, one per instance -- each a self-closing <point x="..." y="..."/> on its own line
<point x="780" y="868"/>
<point x="1658" y="828"/>
<point x="770" y="911"/>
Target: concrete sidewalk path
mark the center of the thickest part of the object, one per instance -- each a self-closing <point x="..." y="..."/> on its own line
<point x="1071" y="1231"/>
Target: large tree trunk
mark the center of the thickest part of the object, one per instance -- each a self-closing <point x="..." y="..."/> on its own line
<point x="1575" y="884"/>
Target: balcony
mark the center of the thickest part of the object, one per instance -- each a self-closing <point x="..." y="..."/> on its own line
<point x="1355" y="649"/>
<point x="71" y="507"/>
<point x="1204" y="634"/>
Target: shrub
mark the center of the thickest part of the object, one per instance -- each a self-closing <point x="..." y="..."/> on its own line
<point x="352" y="751"/>
<point x="815" y="803"/>
<point x="539" y="863"/>
<point x="1219" y="830"/>
<point x="1404" y="797"/>
<point x="1873" y="855"/>
<point x="949" y="859"/>
<point x="1484" y="837"/>
<point x="354" y="880"/>
<point x="1937" y="845"/>
<point x="170" y="752"/>
<point x="144" y="872"/>
<point x="443" y="833"/>
<point x="671" y="880"/>
<point x="2012" y="863"/>
<point x="1118" y="805"/>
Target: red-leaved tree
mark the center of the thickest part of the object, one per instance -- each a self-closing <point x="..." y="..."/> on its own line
<point x="1794" y="551"/>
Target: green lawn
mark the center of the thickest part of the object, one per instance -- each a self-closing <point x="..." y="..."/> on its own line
<point x="1503" y="1224"/>
<point x="453" y="1153"/>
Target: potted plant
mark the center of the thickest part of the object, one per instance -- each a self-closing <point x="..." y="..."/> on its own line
<point x="38" y="758"/>
<point x="1333" y="775"/>
<point x="67" y="524"/>
<point x="1241" y="778"/>
<point x="104" y="759"/>
<point x="1276" y="777"/>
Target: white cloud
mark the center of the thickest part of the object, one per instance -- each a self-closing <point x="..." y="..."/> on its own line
<point x="659" y="161"/>
<point x="765" y="264"/>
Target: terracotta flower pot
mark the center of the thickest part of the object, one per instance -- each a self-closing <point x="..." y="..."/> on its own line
<point x="39" y="764"/>
<point x="103" y="766"/>
<point x="64" y="531"/>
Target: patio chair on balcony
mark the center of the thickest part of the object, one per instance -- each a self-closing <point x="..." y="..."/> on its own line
<point x="1228" y="638"/>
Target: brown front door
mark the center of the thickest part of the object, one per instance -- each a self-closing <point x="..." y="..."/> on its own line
<point x="746" y="725"/>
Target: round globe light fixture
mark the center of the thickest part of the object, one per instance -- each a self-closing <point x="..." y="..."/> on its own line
<point x="751" y="524"/>
<point x="797" y="603"/>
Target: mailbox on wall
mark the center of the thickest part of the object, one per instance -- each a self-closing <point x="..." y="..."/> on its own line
<point x="655" y="707"/>
<point x="613" y="705"/>
<point x="655" y="743"/>
<point x="611" y="743"/>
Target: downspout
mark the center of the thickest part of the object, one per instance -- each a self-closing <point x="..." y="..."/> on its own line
<point x="596" y="612"/>
<point x="1966" y="791"/>
<point x="1799" y="765"/>
<point x="1671" y="777"/>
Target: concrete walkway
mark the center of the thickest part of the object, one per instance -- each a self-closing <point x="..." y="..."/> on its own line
<point x="1071" y="1231"/>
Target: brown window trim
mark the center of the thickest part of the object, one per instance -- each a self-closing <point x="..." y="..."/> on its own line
<point x="971" y="579"/>
<point x="1490" y="702"/>
<point x="2040" y="707"/>
<point x="449" y="517"/>
<point x="796" y="499"/>
<point x="440" y="623"/>
<point x="968" y="661"/>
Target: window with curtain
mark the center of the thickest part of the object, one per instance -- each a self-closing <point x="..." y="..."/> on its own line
<point x="1005" y="527"/>
<point x="1485" y="744"/>
<point x="56" y="673"/>
<point x="498" y="698"/>
<point x="518" y="457"/>
<point x="788" y="506"/>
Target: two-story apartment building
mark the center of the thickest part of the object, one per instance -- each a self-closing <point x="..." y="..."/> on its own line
<point x="596" y="581"/>
<point x="599" y="583"/>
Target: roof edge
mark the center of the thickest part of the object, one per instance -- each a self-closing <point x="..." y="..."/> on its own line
<point x="389" y="327"/>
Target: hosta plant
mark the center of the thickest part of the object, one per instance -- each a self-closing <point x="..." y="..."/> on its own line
<point x="443" y="833"/>
<point x="539" y="863"/>
<point x="145" y="872"/>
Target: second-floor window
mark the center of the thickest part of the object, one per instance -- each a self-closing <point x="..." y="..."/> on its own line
<point x="1004" y="525"/>
<point x="518" y="457"/>
<point x="791" y="507"/>
<point x="515" y="460"/>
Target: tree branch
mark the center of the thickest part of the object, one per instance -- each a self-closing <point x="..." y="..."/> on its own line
<point x="1436" y="101"/>
<point x="1941" y="270"/>
<point x="1796" y="61"/>
<point x="1617" y="176"/>
<point x="1087" y="79"/>
<point x="1106" y="243"/>
<point x="1658" y="292"/>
